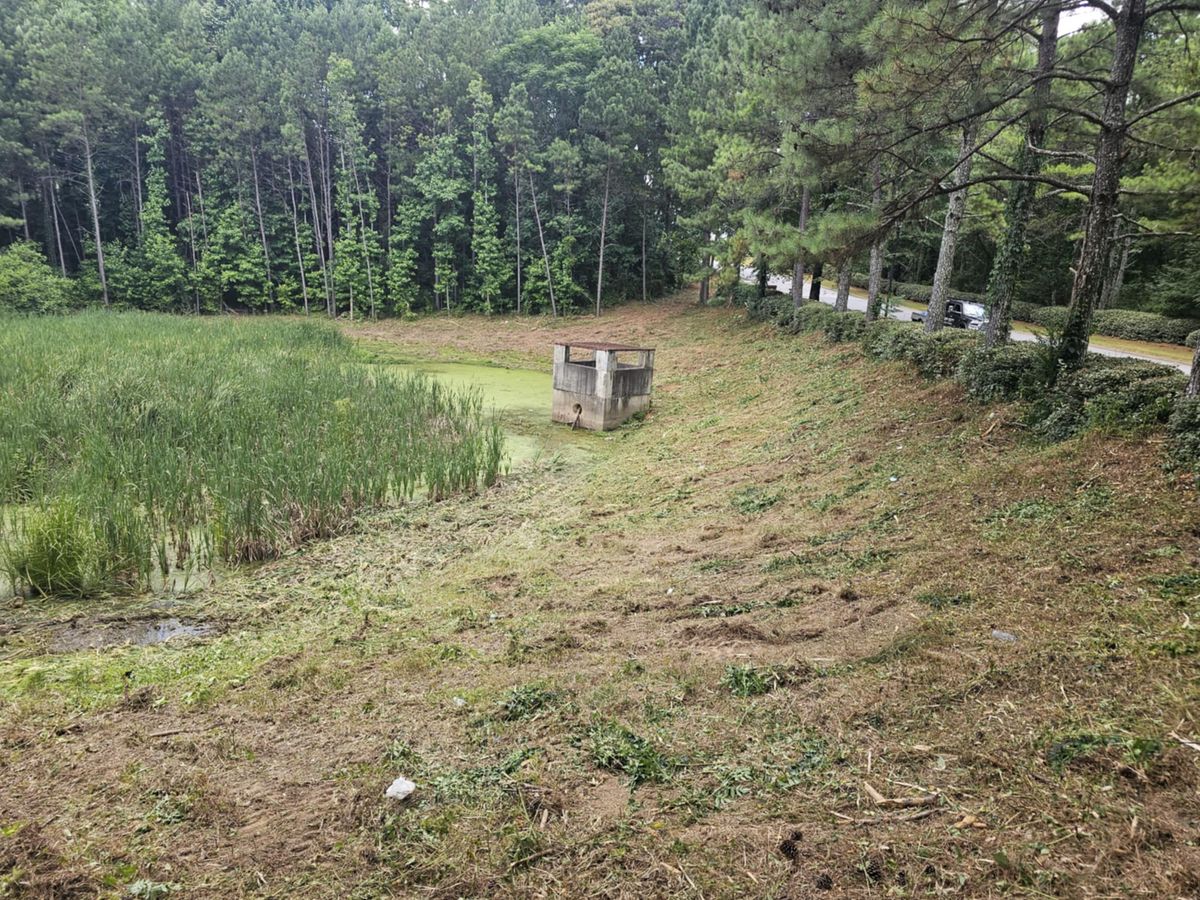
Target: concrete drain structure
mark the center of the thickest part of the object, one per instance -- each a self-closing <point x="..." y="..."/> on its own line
<point x="601" y="390"/>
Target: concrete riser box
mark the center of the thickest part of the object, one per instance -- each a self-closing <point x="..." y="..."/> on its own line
<point x="601" y="393"/>
<point x="596" y="414"/>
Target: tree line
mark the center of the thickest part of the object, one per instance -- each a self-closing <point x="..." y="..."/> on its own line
<point x="353" y="157"/>
<point x="360" y="157"/>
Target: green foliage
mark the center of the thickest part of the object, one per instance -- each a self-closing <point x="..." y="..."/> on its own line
<point x="887" y="339"/>
<point x="1127" y="324"/>
<point x="468" y="785"/>
<point x="1193" y="339"/>
<point x="749" y="681"/>
<point x="1132" y="325"/>
<point x="54" y="551"/>
<point x="1007" y="372"/>
<point x="29" y="285"/>
<point x="1112" y="393"/>
<point x="1184" y="430"/>
<point x="156" y="274"/>
<point x="138" y="444"/>
<point x="811" y="317"/>
<point x="1135" y="751"/>
<point x="526" y="700"/>
<point x="617" y="749"/>
<point x="1024" y="311"/>
<point x="845" y="327"/>
<point x="752" y="500"/>
<point x="1052" y="317"/>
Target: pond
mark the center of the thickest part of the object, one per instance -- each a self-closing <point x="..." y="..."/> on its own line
<point x="521" y="400"/>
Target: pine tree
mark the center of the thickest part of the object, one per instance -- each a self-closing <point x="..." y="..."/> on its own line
<point x="162" y="276"/>
<point x="489" y="265"/>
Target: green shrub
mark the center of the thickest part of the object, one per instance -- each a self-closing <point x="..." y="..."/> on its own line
<point x="1115" y="393"/>
<point x="1023" y="311"/>
<point x="1183" y="429"/>
<point x="845" y="327"/>
<point x="1052" y="317"/>
<point x="889" y="339"/>
<point x="1127" y="324"/>
<point x="812" y="317"/>
<point x="1193" y="339"/>
<point x="1133" y="325"/>
<point x="1001" y="373"/>
<point x="935" y="355"/>
<point x="29" y="285"/>
<point x="938" y="355"/>
<point x="774" y="307"/>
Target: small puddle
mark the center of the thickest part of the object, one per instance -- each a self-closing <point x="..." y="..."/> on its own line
<point x="98" y="636"/>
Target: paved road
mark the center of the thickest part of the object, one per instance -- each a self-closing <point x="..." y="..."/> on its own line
<point x="858" y="301"/>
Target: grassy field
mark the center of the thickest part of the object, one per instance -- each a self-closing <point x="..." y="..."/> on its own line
<point x="758" y="645"/>
<point x="137" y="445"/>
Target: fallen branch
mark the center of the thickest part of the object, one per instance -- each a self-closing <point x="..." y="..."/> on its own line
<point x="900" y="802"/>
<point x="1189" y="744"/>
<point x="886" y="819"/>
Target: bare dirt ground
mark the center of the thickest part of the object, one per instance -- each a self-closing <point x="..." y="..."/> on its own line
<point x="753" y="646"/>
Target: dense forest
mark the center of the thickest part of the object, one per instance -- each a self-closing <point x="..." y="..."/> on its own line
<point x="362" y="157"/>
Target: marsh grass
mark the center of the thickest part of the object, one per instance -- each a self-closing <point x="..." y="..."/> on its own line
<point x="138" y="444"/>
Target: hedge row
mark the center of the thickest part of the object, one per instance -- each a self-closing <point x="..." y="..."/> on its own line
<point x="1113" y="393"/>
<point x="1193" y="339"/>
<point x="1128" y="324"/>
<point x="917" y="293"/>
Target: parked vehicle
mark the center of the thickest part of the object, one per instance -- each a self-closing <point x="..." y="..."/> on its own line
<point x="960" y="314"/>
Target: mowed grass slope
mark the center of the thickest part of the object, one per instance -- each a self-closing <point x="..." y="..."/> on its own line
<point x="677" y="665"/>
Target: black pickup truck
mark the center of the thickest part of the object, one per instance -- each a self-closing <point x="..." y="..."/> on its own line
<point x="960" y="314"/>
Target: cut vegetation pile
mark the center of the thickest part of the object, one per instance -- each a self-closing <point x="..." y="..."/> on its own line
<point x="135" y="445"/>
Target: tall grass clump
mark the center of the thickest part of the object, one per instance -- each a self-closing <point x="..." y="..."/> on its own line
<point x="136" y="444"/>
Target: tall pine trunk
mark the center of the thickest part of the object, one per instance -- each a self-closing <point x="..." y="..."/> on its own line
<point x="798" y="265"/>
<point x="24" y="211"/>
<point x="542" y="238"/>
<point x="138" y="202"/>
<point x="603" y="227"/>
<point x="643" y="252"/>
<point x="956" y="211"/>
<point x="203" y="217"/>
<point x="326" y="162"/>
<point x="362" y="218"/>
<point x="814" y="287"/>
<point x="187" y="200"/>
<point x="296" y="236"/>
<point x="52" y="187"/>
<point x="517" y="200"/>
<point x="842" y="303"/>
<point x="262" y="228"/>
<point x="878" y="246"/>
<point x="315" y="209"/>
<point x="1090" y="269"/>
<point x="1192" y="390"/>
<point x="1003" y="279"/>
<point x="94" y="202"/>
<point x="1118" y="259"/>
